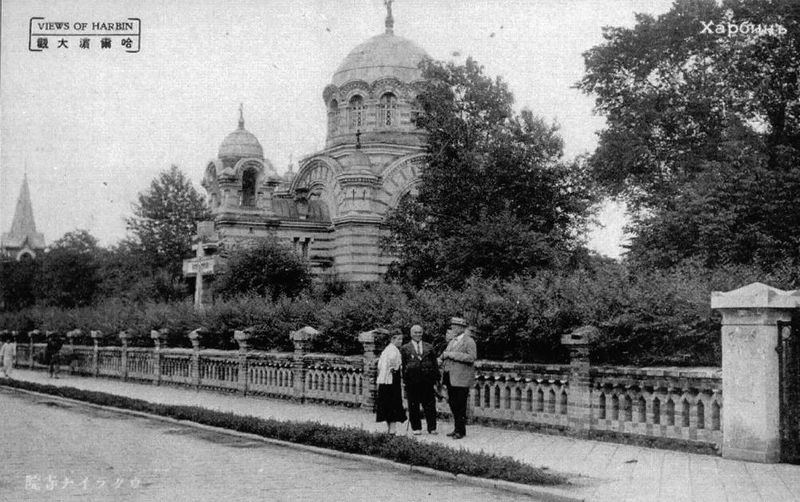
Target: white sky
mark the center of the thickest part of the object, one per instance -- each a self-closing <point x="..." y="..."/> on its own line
<point x="94" y="127"/>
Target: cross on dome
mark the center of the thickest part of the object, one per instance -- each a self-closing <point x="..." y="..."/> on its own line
<point x="389" y="19"/>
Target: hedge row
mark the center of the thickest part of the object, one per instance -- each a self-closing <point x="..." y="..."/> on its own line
<point x="396" y="448"/>
<point x="645" y="318"/>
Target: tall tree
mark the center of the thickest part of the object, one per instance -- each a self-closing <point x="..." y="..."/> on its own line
<point x="702" y="130"/>
<point x="495" y="199"/>
<point x="164" y="218"/>
<point x="69" y="273"/>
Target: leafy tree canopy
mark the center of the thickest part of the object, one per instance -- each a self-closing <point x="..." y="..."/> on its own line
<point x="164" y="219"/>
<point x="702" y="132"/>
<point x="265" y="267"/>
<point x="69" y="273"/>
<point x="494" y="198"/>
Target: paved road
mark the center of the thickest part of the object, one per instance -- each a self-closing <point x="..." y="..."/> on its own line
<point x="52" y="450"/>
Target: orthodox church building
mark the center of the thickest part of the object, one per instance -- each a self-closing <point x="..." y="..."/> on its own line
<point x="22" y="241"/>
<point x="331" y="211"/>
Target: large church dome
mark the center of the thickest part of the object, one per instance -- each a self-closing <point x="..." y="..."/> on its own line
<point x="384" y="55"/>
<point x="372" y="95"/>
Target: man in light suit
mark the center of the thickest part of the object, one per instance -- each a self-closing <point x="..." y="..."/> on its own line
<point x="458" y="363"/>
<point x="420" y="375"/>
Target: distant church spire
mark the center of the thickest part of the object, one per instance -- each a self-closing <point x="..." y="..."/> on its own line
<point x="23" y="237"/>
<point x="389" y="18"/>
<point x="241" y="115"/>
<point x="23" y="216"/>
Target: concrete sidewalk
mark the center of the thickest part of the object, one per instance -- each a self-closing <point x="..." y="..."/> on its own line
<point x="598" y="471"/>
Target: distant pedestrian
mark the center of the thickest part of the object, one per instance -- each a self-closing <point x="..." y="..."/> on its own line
<point x="51" y="354"/>
<point x="420" y="375"/>
<point x="8" y="353"/>
<point x="390" y="393"/>
<point x="458" y="361"/>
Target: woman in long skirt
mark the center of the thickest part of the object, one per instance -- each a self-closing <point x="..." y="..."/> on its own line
<point x="9" y="353"/>
<point x="390" y="394"/>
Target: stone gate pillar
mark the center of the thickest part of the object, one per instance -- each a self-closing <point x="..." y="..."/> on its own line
<point x="368" y="340"/>
<point x="579" y="409"/>
<point x="750" y="377"/>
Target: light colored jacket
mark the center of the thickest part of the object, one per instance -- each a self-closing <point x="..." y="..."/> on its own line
<point x="459" y="360"/>
<point x="390" y="360"/>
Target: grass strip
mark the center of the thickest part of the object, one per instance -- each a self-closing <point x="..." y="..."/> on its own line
<point x="351" y="440"/>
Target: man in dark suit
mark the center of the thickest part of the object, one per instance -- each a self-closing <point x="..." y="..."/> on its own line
<point x="458" y="361"/>
<point x="420" y="374"/>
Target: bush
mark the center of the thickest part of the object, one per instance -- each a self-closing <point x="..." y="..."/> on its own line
<point x="265" y="268"/>
<point x="645" y="317"/>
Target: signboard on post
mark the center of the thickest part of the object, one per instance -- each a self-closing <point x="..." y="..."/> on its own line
<point x="200" y="265"/>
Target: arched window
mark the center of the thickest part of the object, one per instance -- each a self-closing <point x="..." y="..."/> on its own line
<point x="249" y="188"/>
<point x="333" y="117"/>
<point x="388" y="110"/>
<point x="356" y="110"/>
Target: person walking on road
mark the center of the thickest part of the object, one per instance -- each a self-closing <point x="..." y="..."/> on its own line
<point x="390" y="393"/>
<point x="420" y="375"/>
<point x="8" y="353"/>
<point x="458" y="362"/>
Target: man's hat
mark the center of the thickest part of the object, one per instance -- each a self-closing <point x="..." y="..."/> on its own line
<point x="458" y="321"/>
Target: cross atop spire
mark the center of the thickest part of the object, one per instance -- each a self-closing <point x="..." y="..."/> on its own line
<point x="389" y="19"/>
<point x="241" y="116"/>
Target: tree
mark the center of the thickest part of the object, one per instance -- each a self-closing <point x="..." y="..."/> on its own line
<point x="164" y="219"/>
<point x="702" y="130"/>
<point x="69" y="274"/>
<point x="495" y="199"/>
<point x="17" y="283"/>
<point x="265" y="268"/>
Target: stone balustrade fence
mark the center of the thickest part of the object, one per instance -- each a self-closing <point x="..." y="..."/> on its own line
<point x="577" y="398"/>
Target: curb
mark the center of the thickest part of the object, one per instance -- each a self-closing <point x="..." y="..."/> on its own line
<point x="540" y="492"/>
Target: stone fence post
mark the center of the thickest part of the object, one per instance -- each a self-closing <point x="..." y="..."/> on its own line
<point x="31" y="335"/>
<point x="243" y="339"/>
<point x="196" y="336"/>
<point x="370" y="371"/>
<point x="96" y="336"/>
<point x="158" y="336"/>
<point x="124" y="336"/>
<point x="15" y="337"/>
<point x="579" y="407"/>
<point x="302" y="339"/>
<point x="750" y="369"/>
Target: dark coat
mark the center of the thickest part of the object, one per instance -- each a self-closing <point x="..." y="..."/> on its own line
<point x="418" y="369"/>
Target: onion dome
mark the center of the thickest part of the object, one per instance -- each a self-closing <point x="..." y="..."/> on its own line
<point x="241" y="143"/>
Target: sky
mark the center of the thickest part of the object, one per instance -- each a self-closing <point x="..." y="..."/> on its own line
<point x="93" y="127"/>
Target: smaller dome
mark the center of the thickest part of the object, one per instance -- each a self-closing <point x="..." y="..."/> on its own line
<point x="241" y="143"/>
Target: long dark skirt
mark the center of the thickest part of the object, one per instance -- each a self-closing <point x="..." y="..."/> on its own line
<point x="389" y="405"/>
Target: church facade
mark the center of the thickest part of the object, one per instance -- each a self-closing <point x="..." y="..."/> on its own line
<point x="332" y="209"/>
